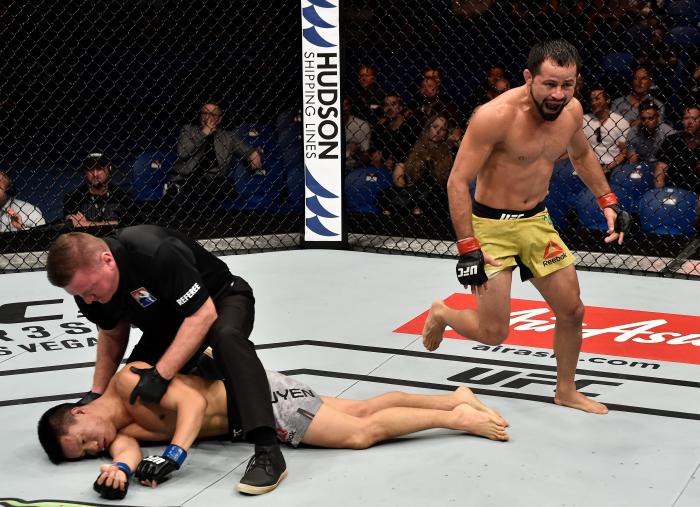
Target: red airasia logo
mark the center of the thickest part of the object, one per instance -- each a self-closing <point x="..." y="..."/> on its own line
<point x="610" y="331"/>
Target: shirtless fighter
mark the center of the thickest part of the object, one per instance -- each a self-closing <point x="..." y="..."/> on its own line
<point x="195" y="407"/>
<point x="511" y="145"/>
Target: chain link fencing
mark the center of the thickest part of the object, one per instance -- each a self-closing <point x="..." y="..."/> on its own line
<point x="149" y="111"/>
<point x="416" y="71"/>
<point x="189" y="115"/>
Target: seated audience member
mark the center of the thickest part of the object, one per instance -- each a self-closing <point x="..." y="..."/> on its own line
<point x="482" y="94"/>
<point x="96" y="201"/>
<point x="679" y="157"/>
<point x="15" y="214"/>
<point x="421" y="182"/>
<point x="628" y="106"/>
<point x="396" y="132"/>
<point x="606" y="131"/>
<point x="645" y="139"/>
<point x="194" y="407"/>
<point x="200" y="176"/>
<point x="428" y="103"/>
<point x="366" y="94"/>
<point x="358" y="135"/>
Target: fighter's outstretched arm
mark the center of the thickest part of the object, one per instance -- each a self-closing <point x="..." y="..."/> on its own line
<point x="113" y="481"/>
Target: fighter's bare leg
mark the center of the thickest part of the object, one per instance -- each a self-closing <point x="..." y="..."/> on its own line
<point x="336" y="429"/>
<point x="488" y="324"/>
<point x="561" y="291"/>
<point x="364" y="408"/>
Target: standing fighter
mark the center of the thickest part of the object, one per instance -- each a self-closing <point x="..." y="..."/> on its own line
<point x="512" y="143"/>
<point x="184" y="299"/>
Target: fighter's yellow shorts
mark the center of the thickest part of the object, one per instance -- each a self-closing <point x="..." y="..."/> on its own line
<point x="526" y="239"/>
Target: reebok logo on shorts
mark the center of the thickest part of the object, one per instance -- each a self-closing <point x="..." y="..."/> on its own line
<point x="188" y="295"/>
<point x="553" y="253"/>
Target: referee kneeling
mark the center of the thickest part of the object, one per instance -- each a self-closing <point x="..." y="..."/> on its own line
<point x="184" y="299"/>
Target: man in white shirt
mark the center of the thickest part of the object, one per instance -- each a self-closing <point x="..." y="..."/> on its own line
<point x="16" y="215"/>
<point x="607" y="132"/>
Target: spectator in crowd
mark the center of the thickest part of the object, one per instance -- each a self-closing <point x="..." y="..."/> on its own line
<point x="679" y="157"/>
<point x="645" y="139"/>
<point x="200" y="176"/>
<point x="367" y="95"/>
<point x="396" y="131"/>
<point x="428" y="103"/>
<point x="357" y="137"/>
<point x="628" y="106"/>
<point x="485" y="93"/>
<point x="690" y="93"/>
<point x="658" y="57"/>
<point x="436" y="74"/>
<point x="96" y="201"/>
<point x="424" y="175"/>
<point x="15" y="214"/>
<point x="607" y="131"/>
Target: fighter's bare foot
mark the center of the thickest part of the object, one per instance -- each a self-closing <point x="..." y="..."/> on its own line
<point x="434" y="326"/>
<point x="466" y="395"/>
<point x="575" y="399"/>
<point x="471" y="420"/>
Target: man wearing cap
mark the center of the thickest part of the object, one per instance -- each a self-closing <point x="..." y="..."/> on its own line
<point x="96" y="201"/>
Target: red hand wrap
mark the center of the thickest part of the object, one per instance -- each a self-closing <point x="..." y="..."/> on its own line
<point x="467" y="245"/>
<point x="607" y="200"/>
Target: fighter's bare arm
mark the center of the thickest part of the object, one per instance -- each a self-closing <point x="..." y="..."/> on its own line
<point x="188" y="404"/>
<point x="584" y="158"/>
<point x="589" y="170"/>
<point x="111" y="345"/>
<point x="189" y="337"/>
<point x="484" y="132"/>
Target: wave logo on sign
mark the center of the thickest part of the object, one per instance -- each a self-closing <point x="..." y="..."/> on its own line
<point x="316" y="208"/>
<point x="311" y="33"/>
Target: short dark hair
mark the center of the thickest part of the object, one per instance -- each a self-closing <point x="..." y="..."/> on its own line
<point x="53" y="425"/>
<point x="70" y="252"/>
<point x="648" y="104"/>
<point x="559" y="51"/>
<point x="601" y="88"/>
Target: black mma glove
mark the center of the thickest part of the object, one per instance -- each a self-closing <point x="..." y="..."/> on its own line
<point x="113" y="492"/>
<point x="151" y="386"/>
<point x="157" y="468"/>
<point x="88" y="397"/>
<point x="470" y="267"/>
<point x="623" y="220"/>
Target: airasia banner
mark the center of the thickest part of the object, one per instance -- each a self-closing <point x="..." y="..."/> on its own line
<point x="610" y="331"/>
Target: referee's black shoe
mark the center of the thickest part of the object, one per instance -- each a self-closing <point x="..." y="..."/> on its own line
<point x="265" y="470"/>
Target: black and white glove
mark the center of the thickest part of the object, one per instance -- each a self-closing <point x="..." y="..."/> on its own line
<point x="470" y="267"/>
<point x="157" y="468"/>
<point x="623" y="220"/>
<point x="113" y="491"/>
<point x="151" y="386"/>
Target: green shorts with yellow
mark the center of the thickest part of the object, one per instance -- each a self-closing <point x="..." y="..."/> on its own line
<point x="526" y="239"/>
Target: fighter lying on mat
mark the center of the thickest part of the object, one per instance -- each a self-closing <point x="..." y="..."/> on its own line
<point x="195" y="407"/>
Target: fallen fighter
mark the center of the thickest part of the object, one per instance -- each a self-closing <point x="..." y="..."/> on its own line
<point x="195" y="407"/>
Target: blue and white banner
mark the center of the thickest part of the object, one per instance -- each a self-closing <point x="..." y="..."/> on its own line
<point x="322" y="120"/>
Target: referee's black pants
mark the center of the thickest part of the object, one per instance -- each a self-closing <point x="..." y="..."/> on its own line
<point x="247" y="388"/>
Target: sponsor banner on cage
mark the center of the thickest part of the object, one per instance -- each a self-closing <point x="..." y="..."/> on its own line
<point x="322" y="122"/>
<point x="610" y="331"/>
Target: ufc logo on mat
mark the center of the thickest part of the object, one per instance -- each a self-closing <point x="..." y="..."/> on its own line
<point x="471" y="270"/>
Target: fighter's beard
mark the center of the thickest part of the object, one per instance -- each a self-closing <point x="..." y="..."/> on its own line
<point x="545" y="115"/>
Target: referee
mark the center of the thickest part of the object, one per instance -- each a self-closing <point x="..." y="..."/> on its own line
<point x="183" y="299"/>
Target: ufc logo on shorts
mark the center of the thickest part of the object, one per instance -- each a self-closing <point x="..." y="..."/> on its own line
<point x="188" y="295"/>
<point x="471" y="270"/>
<point x="155" y="459"/>
<point x="510" y="216"/>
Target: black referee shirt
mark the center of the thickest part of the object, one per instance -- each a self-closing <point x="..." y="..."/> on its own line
<point x="164" y="277"/>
